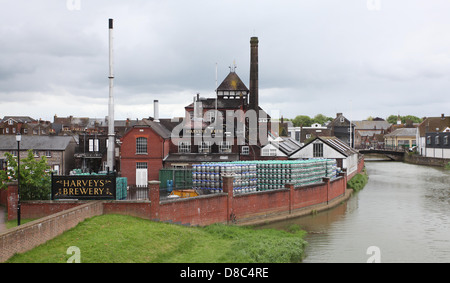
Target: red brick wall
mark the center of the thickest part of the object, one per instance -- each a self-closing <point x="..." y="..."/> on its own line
<point x="27" y="236"/>
<point x="262" y="203"/>
<point x="203" y="210"/>
<point x="38" y="209"/>
<point x="134" y="208"/>
<point x="310" y="195"/>
<point x="157" y="149"/>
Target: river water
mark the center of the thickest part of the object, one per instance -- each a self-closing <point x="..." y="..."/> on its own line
<point x="401" y="215"/>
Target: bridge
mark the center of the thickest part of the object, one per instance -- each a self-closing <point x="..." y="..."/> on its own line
<point x="396" y="153"/>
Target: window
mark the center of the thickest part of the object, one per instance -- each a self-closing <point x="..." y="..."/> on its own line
<point x="93" y="144"/>
<point x="141" y="165"/>
<point x="204" y="147"/>
<point x="141" y="145"/>
<point x="224" y="146"/>
<point x="184" y="146"/>
<point x="318" y="150"/>
<point x="36" y="153"/>
<point x="436" y="140"/>
<point x="269" y="152"/>
<point x="211" y="115"/>
<point x="245" y="150"/>
<point x="428" y="140"/>
<point x="48" y="153"/>
<point x="446" y="140"/>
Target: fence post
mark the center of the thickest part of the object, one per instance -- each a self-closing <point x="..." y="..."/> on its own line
<point x="290" y="186"/>
<point x="228" y="189"/>
<point x="153" y="196"/>
<point x="343" y="174"/>
<point x="326" y="180"/>
<point x="12" y="200"/>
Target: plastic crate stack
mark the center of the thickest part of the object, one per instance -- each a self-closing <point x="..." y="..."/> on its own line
<point x="275" y="174"/>
<point x="331" y="168"/>
<point x="261" y="175"/>
<point x="121" y="188"/>
<point x="208" y="176"/>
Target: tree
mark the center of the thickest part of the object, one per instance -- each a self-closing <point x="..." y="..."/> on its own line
<point x="411" y="118"/>
<point x="35" y="181"/>
<point x="393" y="119"/>
<point x="302" y="121"/>
<point x="321" y="119"/>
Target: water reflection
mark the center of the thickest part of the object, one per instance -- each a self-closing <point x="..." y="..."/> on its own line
<point x="403" y="210"/>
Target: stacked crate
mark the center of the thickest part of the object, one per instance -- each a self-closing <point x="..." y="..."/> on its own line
<point x="208" y="176"/>
<point x="261" y="175"/>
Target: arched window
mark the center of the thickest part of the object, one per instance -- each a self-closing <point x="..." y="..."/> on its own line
<point x="141" y="145"/>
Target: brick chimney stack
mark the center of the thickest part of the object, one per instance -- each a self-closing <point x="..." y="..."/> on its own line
<point x="254" y="74"/>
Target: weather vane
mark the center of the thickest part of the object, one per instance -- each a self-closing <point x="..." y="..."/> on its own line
<point x="233" y="67"/>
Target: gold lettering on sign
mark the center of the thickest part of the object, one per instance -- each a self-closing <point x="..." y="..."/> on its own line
<point x="83" y="187"/>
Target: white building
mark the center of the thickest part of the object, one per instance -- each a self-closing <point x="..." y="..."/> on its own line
<point x="330" y="147"/>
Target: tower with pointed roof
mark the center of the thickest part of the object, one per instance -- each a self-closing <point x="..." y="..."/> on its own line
<point x="232" y="88"/>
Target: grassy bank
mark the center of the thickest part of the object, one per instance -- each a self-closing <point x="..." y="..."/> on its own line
<point x="119" y="238"/>
<point x="358" y="181"/>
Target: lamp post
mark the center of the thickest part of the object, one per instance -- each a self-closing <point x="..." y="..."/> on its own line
<point x="18" y="139"/>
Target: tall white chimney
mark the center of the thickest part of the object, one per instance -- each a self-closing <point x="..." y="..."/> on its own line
<point x="111" y="138"/>
<point x="156" y="110"/>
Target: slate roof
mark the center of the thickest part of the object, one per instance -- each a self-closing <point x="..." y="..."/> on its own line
<point x="201" y="157"/>
<point x="403" y="132"/>
<point x="55" y="143"/>
<point x="157" y="127"/>
<point x="430" y="124"/>
<point x="336" y="144"/>
<point x="210" y="103"/>
<point x="371" y="125"/>
<point x="232" y="82"/>
<point x="19" y="119"/>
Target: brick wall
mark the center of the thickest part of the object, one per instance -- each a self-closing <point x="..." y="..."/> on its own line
<point x="202" y="210"/>
<point x="27" y="236"/>
<point x="157" y="149"/>
<point x="422" y="160"/>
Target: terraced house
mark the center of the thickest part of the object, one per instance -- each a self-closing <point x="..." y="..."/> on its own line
<point x="58" y="150"/>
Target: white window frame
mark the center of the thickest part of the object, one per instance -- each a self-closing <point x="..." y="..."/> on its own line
<point x="204" y="147"/>
<point x="141" y="145"/>
<point x="225" y="147"/>
<point x="269" y="152"/>
<point x="318" y="150"/>
<point x="184" y="146"/>
<point x="245" y="150"/>
<point x="93" y="145"/>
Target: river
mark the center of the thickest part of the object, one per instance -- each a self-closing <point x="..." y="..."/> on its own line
<point x="401" y="215"/>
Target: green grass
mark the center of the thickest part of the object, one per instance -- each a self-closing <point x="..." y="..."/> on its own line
<point x="123" y="239"/>
<point x="447" y="166"/>
<point x="358" y="181"/>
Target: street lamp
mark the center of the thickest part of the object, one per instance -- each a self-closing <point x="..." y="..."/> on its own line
<point x="18" y="139"/>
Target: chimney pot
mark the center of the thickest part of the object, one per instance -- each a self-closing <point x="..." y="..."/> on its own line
<point x="156" y="110"/>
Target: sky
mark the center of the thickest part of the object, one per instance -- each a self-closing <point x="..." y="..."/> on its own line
<point x="357" y="57"/>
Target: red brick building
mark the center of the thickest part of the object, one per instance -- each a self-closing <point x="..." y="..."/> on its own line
<point x="143" y="150"/>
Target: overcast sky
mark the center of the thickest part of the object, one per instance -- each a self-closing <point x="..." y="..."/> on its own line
<point x="359" y="57"/>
